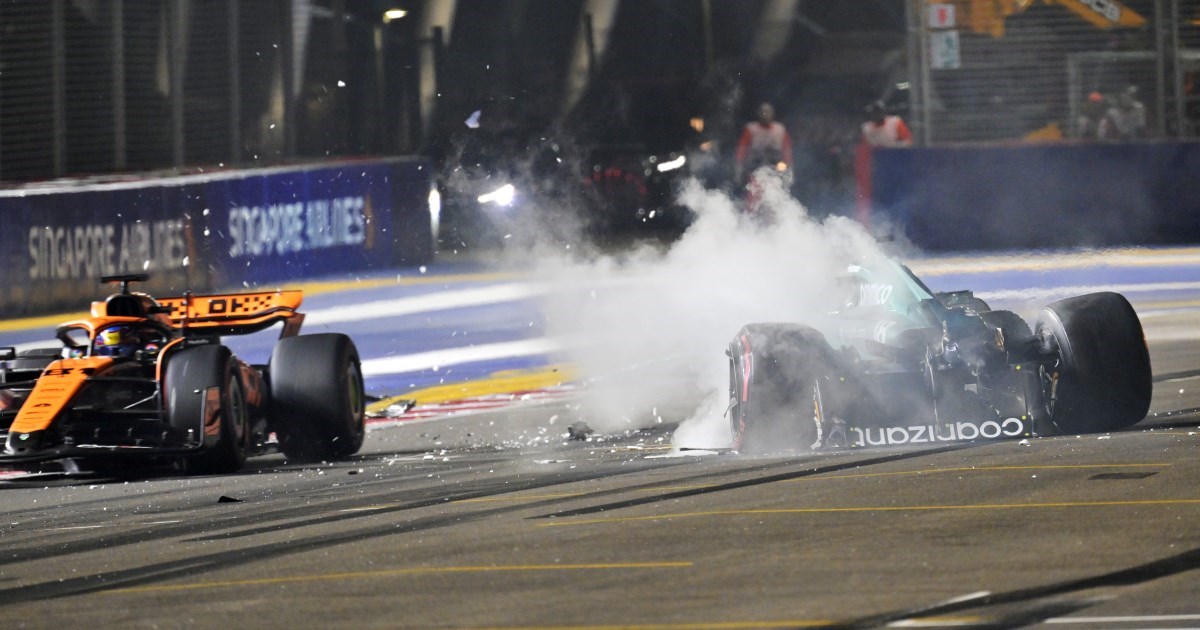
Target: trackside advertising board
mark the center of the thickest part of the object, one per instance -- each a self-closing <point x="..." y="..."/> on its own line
<point x="1037" y="196"/>
<point x="206" y="232"/>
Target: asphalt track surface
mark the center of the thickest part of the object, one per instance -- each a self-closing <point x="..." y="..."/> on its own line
<point x="493" y="519"/>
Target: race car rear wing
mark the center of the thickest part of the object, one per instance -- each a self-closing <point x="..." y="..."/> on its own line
<point x="234" y="313"/>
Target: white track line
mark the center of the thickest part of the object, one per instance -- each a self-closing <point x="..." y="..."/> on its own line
<point x="437" y="359"/>
<point x="425" y="303"/>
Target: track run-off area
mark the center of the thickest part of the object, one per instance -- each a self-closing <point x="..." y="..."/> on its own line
<point x="470" y="506"/>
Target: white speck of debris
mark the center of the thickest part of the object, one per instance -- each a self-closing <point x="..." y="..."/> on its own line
<point x="1181" y="391"/>
<point x="1023" y="443"/>
<point x="1104" y="437"/>
<point x="428" y="457"/>
<point x="1033" y="476"/>
<point x="341" y="83"/>
<point x="553" y="419"/>
<point x="272" y="126"/>
<point x="421" y="268"/>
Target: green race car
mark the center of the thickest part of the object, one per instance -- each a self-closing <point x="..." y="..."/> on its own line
<point x="897" y="363"/>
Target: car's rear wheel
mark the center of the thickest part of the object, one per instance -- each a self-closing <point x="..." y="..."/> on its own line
<point x="1097" y="373"/>
<point x="317" y="400"/>
<point x="775" y="397"/>
<point x="202" y="388"/>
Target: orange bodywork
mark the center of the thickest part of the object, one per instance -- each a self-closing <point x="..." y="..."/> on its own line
<point x="168" y="323"/>
<point x="220" y="309"/>
<point x="60" y="381"/>
<point x="57" y="386"/>
<point x="250" y="310"/>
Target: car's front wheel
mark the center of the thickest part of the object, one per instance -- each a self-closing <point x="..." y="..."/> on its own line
<point x="1096" y="376"/>
<point x="202" y="390"/>
<point x="776" y="402"/>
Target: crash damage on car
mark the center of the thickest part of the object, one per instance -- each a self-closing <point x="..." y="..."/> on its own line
<point x="895" y="363"/>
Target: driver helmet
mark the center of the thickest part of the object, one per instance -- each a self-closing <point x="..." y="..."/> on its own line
<point x="124" y="341"/>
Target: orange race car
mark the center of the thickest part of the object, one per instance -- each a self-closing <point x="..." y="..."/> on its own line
<point x="145" y="380"/>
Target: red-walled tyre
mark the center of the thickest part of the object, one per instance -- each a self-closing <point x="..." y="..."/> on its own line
<point x="773" y="374"/>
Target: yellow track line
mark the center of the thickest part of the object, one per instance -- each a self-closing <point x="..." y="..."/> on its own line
<point x="319" y="577"/>
<point x="1124" y="257"/>
<point x="877" y="508"/>
<point x="972" y="469"/>
<point x="706" y="625"/>
<point x="498" y="383"/>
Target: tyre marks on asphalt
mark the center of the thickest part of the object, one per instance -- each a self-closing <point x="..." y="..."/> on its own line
<point x="248" y="520"/>
<point x="1037" y="600"/>
<point x="745" y="483"/>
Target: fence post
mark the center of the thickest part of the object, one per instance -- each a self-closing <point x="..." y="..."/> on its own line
<point x="58" y="65"/>
<point x="117" y="43"/>
<point x="235" y="84"/>
<point x="175" y="30"/>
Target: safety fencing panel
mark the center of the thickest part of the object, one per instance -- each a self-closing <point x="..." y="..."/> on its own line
<point x="249" y="228"/>
<point x="1003" y="70"/>
<point x="121" y="85"/>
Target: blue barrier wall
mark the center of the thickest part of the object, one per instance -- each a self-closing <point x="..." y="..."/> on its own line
<point x="251" y="228"/>
<point x="1037" y="196"/>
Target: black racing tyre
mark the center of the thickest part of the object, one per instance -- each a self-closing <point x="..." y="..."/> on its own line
<point x="773" y="372"/>
<point x="190" y="374"/>
<point x="317" y="402"/>
<point x="1098" y="378"/>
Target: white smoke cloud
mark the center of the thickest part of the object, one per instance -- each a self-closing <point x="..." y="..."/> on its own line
<point x="652" y="326"/>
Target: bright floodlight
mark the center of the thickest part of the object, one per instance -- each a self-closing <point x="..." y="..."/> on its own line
<point x="502" y="196"/>
<point x="393" y="14"/>
<point x="671" y="165"/>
